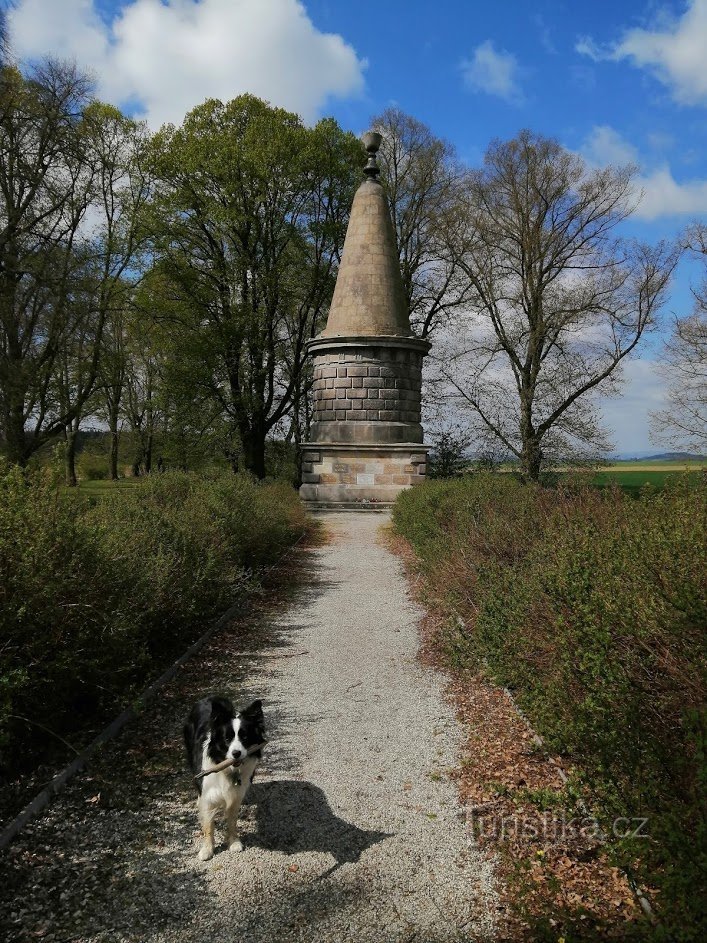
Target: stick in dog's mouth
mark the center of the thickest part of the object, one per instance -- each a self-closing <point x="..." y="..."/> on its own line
<point x="232" y="761"/>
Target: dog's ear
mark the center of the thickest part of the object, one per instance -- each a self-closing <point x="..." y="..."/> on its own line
<point x="254" y="711"/>
<point x="221" y="710"/>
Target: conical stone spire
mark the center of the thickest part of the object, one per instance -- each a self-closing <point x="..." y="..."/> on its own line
<point x="366" y="437"/>
<point x="369" y="299"/>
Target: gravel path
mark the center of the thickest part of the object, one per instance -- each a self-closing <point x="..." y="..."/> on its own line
<point x="352" y="829"/>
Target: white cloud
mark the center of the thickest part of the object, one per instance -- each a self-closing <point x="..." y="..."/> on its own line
<point x="169" y="55"/>
<point x="495" y="73"/>
<point x="586" y="46"/>
<point x="657" y="191"/>
<point x="605" y="146"/>
<point x="674" y="50"/>
<point x="664" y="196"/>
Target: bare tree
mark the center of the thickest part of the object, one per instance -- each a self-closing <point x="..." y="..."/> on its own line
<point x="71" y="188"/>
<point x="72" y="378"/>
<point x="45" y="190"/>
<point x="111" y="383"/>
<point x="683" y="422"/>
<point x="556" y="301"/>
<point x="4" y="38"/>
<point x="111" y="244"/>
<point x="422" y="177"/>
<point x="142" y="402"/>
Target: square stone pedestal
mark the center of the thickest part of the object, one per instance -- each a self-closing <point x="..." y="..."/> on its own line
<point x="359" y="477"/>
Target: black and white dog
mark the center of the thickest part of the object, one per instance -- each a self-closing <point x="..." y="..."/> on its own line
<point x="215" y="732"/>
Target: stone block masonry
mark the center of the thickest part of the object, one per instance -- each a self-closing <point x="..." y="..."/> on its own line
<point x="383" y="378"/>
<point x="368" y="391"/>
<point x="360" y="475"/>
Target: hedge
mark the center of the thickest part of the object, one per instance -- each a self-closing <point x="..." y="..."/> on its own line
<point x="97" y="598"/>
<point x="592" y="608"/>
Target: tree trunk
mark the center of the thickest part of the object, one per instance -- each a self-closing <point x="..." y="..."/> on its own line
<point x="149" y="430"/>
<point x="15" y="439"/>
<point x="531" y="459"/>
<point x="298" y="453"/>
<point x="114" y="443"/>
<point x="531" y="453"/>
<point x="234" y="460"/>
<point x="297" y="430"/>
<point x="254" y="452"/>
<point x="70" y="456"/>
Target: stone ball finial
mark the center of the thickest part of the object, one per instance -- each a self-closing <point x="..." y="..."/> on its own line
<point x="372" y="141"/>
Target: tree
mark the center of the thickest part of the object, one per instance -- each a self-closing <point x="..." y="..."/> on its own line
<point x="448" y="456"/>
<point x="73" y="376"/>
<point x="556" y="301"/>
<point x="4" y="39"/>
<point x="142" y="402"/>
<point x="112" y="247"/>
<point x="422" y="178"/>
<point x="250" y="219"/>
<point x="683" y="422"/>
<point x="45" y="190"/>
<point x="111" y="382"/>
<point x="71" y="186"/>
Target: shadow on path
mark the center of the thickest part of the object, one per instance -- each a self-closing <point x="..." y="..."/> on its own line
<point x="292" y="816"/>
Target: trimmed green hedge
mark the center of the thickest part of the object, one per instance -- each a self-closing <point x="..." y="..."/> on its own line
<point x="592" y="608"/>
<point x="97" y="598"/>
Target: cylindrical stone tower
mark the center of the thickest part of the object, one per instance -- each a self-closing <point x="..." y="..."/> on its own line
<point x="366" y="437"/>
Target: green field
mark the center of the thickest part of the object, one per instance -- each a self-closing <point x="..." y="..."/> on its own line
<point x="632" y="476"/>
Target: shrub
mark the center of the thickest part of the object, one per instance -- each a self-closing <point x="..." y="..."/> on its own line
<point x="94" y="599"/>
<point x="591" y="607"/>
<point x="92" y="467"/>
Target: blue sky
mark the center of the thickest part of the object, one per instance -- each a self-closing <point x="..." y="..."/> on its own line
<point x="613" y="81"/>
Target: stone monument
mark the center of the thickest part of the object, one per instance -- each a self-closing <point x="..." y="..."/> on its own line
<point x="366" y="436"/>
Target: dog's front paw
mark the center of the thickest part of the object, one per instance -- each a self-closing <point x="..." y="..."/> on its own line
<point x="206" y="853"/>
<point x="236" y="845"/>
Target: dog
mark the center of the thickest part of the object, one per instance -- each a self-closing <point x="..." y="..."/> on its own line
<point x="215" y="732"/>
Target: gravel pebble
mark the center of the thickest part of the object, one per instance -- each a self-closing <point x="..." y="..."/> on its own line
<point x="352" y="829"/>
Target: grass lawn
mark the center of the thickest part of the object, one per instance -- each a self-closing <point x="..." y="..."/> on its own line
<point x="94" y="490"/>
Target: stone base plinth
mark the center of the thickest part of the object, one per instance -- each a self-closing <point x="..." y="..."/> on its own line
<point x="356" y="476"/>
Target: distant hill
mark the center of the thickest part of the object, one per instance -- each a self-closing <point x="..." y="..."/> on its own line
<point x="663" y="457"/>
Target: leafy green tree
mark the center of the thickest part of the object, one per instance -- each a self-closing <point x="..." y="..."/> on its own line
<point x="249" y="220"/>
<point x="447" y="458"/>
